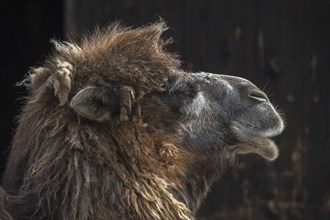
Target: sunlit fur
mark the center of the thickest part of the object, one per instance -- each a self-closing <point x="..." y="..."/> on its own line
<point x="113" y="128"/>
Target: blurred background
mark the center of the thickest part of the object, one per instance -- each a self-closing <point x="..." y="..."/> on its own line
<point x="281" y="46"/>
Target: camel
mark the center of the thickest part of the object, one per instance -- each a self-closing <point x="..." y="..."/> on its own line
<point x="114" y="128"/>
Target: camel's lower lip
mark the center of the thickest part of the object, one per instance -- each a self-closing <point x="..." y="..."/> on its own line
<point x="255" y="144"/>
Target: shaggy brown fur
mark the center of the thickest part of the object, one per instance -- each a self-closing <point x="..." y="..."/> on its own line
<point x="101" y="136"/>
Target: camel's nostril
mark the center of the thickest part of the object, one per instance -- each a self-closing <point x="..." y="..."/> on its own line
<point x="258" y="95"/>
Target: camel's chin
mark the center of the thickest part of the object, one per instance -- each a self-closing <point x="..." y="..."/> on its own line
<point x="261" y="146"/>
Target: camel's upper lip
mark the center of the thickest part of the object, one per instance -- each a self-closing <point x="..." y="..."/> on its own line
<point x="269" y="134"/>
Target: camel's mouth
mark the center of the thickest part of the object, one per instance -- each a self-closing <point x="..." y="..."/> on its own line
<point x="263" y="147"/>
<point x="260" y="144"/>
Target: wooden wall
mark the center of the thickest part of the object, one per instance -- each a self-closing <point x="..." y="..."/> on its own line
<point x="283" y="47"/>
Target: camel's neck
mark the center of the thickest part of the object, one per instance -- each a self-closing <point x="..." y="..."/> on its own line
<point x="200" y="180"/>
<point x="197" y="187"/>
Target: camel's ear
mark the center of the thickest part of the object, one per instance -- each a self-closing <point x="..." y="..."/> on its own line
<point x="95" y="103"/>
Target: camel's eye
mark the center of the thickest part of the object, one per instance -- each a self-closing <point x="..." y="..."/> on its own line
<point x="185" y="90"/>
<point x="186" y="94"/>
<point x="189" y="93"/>
<point x="193" y="105"/>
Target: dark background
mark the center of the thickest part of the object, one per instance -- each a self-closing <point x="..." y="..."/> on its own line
<point x="282" y="46"/>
